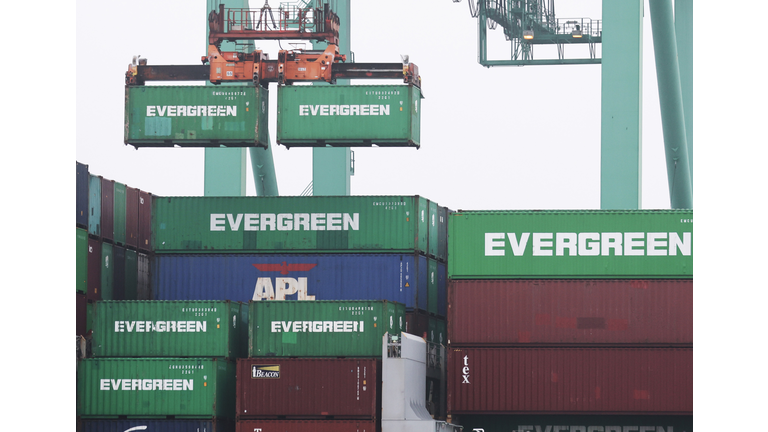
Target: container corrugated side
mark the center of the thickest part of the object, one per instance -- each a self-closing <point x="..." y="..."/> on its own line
<point x="577" y="423"/>
<point x="321" y="328"/>
<point x="132" y="217"/>
<point x="81" y="261"/>
<point x="107" y="209"/>
<point x="342" y="224"/>
<point x="308" y="387"/>
<point x="157" y="425"/>
<point x="94" y="269"/>
<point x="634" y="244"/>
<point x="118" y="281"/>
<point x="167" y="329"/>
<point x="585" y="311"/>
<point x="196" y="116"/>
<point x="131" y="274"/>
<point x="145" y="221"/>
<point x="107" y="271"/>
<point x="144" y="387"/>
<point x="81" y="312"/>
<point x="354" y="115"/>
<point x="94" y="205"/>
<point x="243" y="277"/>
<point x="144" y="287"/>
<point x="434" y="230"/>
<point x="570" y="380"/>
<point x="308" y="426"/>
<point x="81" y="194"/>
<point x="119" y="213"/>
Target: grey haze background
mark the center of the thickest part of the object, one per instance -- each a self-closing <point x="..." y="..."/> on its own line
<point x="492" y="138"/>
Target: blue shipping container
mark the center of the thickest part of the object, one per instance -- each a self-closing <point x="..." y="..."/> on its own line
<point x="94" y="205"/>
<point x="81" y="195"/>
<point x="400" y="278"/>
<point x="156" y="425"/>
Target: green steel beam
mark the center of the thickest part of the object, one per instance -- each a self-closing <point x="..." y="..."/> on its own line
<point x="684" y="37"/>
<point x="543" y="62"/>
<point x="621" y="110"/>
<point x="671" y="103"/>
<point x="331" y="167"/>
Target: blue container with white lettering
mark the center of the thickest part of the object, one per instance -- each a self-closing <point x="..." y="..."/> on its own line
<point x="155" y="425"/>
<point x="401" y="278"/>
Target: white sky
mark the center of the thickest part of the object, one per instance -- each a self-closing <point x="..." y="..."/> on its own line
<point x="491" y="138"/>
<point x="480" y="150"/>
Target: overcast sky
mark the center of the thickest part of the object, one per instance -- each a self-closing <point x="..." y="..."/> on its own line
<point x="491" y="138"/>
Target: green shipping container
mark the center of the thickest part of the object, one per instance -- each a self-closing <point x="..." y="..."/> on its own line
<point x="155" y="388"/>
<point x="131" y="275"/>
<point x="107" y="272"/>
<point x="322" y="328"/>
<point x="81" y="261"/>
<point x="119" y="213"/>
<point x="571" y="244"/>
<point x="349" y="115"/>
<point x="196" y="116"/>
<point x="154" y="328"/>
<point x="341" y="224"/>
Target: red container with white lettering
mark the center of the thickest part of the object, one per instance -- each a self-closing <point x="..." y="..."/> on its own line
<point x="308" y="425"/>
<point x="579" y="311"/>
<point x="570" y="380"/>
<point x="341" y="388"/>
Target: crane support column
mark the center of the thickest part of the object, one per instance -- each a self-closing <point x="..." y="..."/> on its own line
<point x="331" y="166"/>
<point x="684" y="38"/>
<point x="621" y="118"/>
<point x="671" y="102"/>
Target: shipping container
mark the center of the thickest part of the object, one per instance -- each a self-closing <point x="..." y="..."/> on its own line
<point x="144" y="387"/>
<point x="417" y="323"/>
<point x="308" y="426"/>
<point x="321" y="328"/>
<point x="81" y="195"/>
<point x="107" y="271"/>
<point x="570" y="380"/>
<point x="243" y="277"/>
<point x="196" y="116"/>
<point x="107" y="209"/>
<point x="571" y="311"/>
<point x="119" y="213"/>
<point x="81" y="261"/>
<point x="434" y="230"/>
<point x="442" y="294"/>
<point x="81" y="311"/>
<point x="349" y="116"/>
<point x="322" y="224"/>
<point x="309" y="387"/>
<point x="437" y="331"/>
<point x="576" y="423"/>
<point x="145" y="221"/>
<point x="131" y="217"/>
<point x="119" y="274"/>
<point x="144" y="287"/>
<point x="94" y="269"/>
<point x="168" y="329"/>
<point x="94" y="205"/>
<point x="442" y="233"/>
<point x="131" y="275"/>
<point x="432" y="287"/>
<point x="635" y="244"/>
<point x="156" y="425"/>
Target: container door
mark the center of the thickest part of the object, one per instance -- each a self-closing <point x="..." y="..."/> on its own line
<point x="107" y="272"/>
<point x="94" y="206"/>
<point x="119" y="209"/>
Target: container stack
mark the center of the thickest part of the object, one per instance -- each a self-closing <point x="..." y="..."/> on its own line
<point x="114" y="223"/>
<point x="572" y="320"/>
<point x="314" y="365"/>
<point x="168" y="363"/>
<point x="347" y="248"/>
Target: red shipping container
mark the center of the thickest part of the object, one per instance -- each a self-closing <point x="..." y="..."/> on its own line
<point x="307" y="426"/>
<point x="417" y="323"/>
<point x="570" y="380"/>
<point x="509" y="312"/>
<point x="81" y="306"/>
<point x="94" y="269"/>
<point x="308" y="387"/>
<point x="145" y="221"/>
<point x="132" y="217"/>
<point x="107" y="209"/>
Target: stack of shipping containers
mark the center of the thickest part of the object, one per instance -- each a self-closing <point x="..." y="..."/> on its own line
<point x="114" y="223"/>
<point x="348" y="248"/>
<point x="571" y="320"/>
<point x="164" y="365"/>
